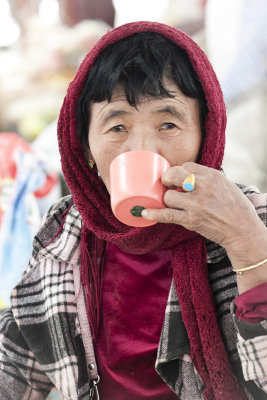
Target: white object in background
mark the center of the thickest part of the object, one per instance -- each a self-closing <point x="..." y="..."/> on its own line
<point x="139" y="10"/>
<point x="9" y="29"/>
<point x="49" y="11"/>
<point x="237" y="44"/>
<point x="236" y="33"/>
<point x="222" y="25"/>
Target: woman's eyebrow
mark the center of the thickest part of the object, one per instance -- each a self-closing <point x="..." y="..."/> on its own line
<point x="112" y="114"/>
<point x="171" y="110"/>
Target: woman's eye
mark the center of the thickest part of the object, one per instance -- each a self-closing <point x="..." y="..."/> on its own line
<point x="168" y="125"/>
<point x="118" y="128"/>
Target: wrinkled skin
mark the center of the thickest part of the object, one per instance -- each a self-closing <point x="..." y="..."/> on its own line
<point x="216" y="208"/>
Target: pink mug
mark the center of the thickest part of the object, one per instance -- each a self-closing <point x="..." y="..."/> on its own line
<point x="135" y="183"/>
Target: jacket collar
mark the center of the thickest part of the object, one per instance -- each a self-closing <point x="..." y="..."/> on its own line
<point x="59" y="236"/>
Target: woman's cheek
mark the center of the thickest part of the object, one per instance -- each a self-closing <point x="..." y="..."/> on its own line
<point x="103" y="171"/>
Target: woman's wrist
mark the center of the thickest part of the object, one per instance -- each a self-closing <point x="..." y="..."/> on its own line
<point x="251" y="279"/>
<point x="247" y="252"/>
<point x="240" y="271"/>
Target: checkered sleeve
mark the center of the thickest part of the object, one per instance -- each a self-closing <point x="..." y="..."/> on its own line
<point x="252" y="337"/>
<point x="252" y="349"/>
<point x="21" y="377"/>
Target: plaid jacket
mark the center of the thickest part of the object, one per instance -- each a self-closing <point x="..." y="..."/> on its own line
<point x="45" y="338"/>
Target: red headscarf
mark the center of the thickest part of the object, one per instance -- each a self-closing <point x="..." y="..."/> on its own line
<point x="189" y="262"/>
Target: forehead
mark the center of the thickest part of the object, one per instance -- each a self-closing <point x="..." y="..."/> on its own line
<point x="119" y="105"/>
<point x="119" y="92"/>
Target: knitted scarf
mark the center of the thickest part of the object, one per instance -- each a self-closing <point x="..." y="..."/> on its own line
<point x="189" y="262"/>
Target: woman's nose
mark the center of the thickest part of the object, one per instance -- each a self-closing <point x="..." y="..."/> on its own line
<point x="142" y="141"/>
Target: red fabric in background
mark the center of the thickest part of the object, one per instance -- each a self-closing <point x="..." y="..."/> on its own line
<point x="135" y="293"/>
<point x="252" y="304"/>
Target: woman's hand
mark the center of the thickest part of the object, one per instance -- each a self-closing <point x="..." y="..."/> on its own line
<point x="216" y="209"/>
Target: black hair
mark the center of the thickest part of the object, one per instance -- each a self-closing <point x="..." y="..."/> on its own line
<point x="139" y="63"/>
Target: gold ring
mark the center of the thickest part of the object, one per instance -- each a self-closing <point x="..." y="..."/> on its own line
<point x="189" y="183"/>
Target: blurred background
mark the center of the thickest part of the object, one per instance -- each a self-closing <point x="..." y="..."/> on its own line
<point x="42" y="43"/>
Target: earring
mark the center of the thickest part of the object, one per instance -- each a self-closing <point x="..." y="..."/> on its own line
<point x="91" y="164"/>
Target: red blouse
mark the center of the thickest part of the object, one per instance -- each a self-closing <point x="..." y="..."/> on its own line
<point x="134" y="298"/>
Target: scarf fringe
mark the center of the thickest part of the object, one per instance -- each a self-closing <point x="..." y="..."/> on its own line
<point x="198" y="309"/>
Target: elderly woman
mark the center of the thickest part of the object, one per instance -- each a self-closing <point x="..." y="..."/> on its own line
<point x="88" y="315"/>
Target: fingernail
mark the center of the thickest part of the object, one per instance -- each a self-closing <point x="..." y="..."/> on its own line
<point x="145" y="214"/>
<point x="136" y="211"/>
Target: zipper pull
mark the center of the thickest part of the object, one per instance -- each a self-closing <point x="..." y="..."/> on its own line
<point x="93" y="392"/>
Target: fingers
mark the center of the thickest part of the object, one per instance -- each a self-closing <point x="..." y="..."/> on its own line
<point x="177" y="200"/>
<point x="182" y="208"/>
<point x="203" y="209"/>
<point x="174" y="176"/>
<point x="167" y="216"/>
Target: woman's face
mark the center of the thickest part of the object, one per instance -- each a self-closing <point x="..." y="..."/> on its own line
<point x="167" y="126"/>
